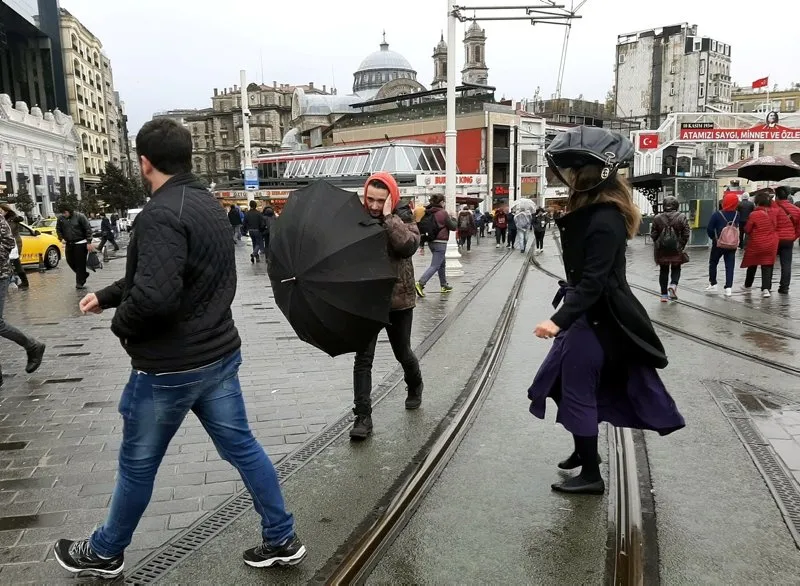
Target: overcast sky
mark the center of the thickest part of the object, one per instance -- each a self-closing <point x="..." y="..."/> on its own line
<point x="171" y="53"/>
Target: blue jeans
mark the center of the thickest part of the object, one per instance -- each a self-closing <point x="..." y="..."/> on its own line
<point x="713" y="261"/>
<point x="257" y="238"/>
<point x="153" y="408"/>
<point x="522" y="239"/>
<point x="438" y="264"/>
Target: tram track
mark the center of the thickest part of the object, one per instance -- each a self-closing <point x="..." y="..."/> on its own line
<point x="626" y="563"/>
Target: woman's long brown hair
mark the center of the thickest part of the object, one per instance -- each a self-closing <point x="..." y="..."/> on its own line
<point x="616" y="191"/>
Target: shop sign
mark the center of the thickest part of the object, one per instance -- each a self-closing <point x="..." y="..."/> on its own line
<point x="461" y="180"/>
<point x="501" y="190"/>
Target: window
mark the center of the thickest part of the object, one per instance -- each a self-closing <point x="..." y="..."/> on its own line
<point x="697" y="45"/>
<point x="702" y="91"/>
<point x="74" y="41"/>
<point x="790" y="105"/>
<point x="702" y="66"/>
<point x="621" y="59"/>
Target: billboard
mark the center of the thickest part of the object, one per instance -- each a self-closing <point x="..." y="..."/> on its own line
<point x="770" y="131"/>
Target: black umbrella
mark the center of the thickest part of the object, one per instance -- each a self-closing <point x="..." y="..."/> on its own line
<point x="769" y="168"/>
<point x="330" y="269"/>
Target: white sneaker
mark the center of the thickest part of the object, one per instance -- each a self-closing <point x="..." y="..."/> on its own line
<point x="497" y="246"/>
<point x="728" y="291"/>
<point x="765" y="293"/>
<point x="712" y="288"/>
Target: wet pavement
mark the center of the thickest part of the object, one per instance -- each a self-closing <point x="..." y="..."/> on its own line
<point x="60" y="430"/>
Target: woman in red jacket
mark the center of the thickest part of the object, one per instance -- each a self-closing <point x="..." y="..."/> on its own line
<point x="762" y="244"/>
<point x="788" y="232"/>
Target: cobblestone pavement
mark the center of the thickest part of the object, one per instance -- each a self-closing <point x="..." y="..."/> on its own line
<point x="60" y="431"/>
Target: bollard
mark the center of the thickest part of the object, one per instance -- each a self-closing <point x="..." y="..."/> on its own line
<point x="41" y="263"/>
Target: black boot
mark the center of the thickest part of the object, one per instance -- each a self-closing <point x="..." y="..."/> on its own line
<point x="414" y="398"/>
<point x="362" y="426"/>
<point x="589" y="480"/>
<point x="574" y="460"/>
<point x="35" y="355"/>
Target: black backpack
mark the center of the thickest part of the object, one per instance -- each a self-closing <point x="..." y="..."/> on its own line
<point x="428" y="226"/>
<point x="668" y="240"/>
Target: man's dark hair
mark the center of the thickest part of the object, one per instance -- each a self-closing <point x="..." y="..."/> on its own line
<point x="378" y="184"/>
<point x="437" y="199"/>
<point x="762" y="199"/>
<point x="253" y="205"/>
<point x="65" y="207"/>
<point x="782" y="192"/>
<point x="102" y="214"/>
<point x="167" y="145"/>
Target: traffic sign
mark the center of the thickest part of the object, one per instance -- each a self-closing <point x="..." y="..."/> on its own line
<point x="250" y="179"/>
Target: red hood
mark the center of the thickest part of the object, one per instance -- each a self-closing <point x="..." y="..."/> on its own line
<point x="389" y="181"/>
<point x="730" y="201"/>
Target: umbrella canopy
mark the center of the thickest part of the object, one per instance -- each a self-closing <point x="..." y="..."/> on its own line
<point x="769" y="168"/>
<point x="329" y="268"/>
<point x="525" y="204"/>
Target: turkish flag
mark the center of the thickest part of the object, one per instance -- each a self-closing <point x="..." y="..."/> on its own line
<point x="763" y="82"/>
<point x="648" y="141"/>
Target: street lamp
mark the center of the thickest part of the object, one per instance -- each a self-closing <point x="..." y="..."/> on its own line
<point x="544" y="12"/>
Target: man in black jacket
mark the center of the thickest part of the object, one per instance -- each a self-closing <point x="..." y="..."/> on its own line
<point x="107" y="232"/>
<point x="255" y="223"/>
<point x="174" y="319"/>
<point x="745" y="209"/>
<point x="76" y="232"/>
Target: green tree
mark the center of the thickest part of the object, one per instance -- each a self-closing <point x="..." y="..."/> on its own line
<point x="24" y="203"/>
<point x="66" y="198"/>
<point x="90" y="203"/>
<point x="115" y="189"/>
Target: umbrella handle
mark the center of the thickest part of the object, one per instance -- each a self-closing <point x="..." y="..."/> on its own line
<point x="290" y="279"/>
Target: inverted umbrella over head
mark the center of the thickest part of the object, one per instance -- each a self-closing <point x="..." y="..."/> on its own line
<point x="769" y="168"/>
<point x="329" y="268"/>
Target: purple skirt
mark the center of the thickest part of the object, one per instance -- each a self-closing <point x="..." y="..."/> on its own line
<point x="573" y="375"/>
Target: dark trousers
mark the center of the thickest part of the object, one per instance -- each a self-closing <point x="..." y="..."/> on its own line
<point x="108" y="238"/>
<point x="713" y="261"/>
<point x="766" y="277"/>
<point x="500" y="235"/>
<point x="257" y="238"/>
<point x="482" y="230"/>
<point x="17" y="264"/>
<point x="76" y="259"/>
<point x="785" y="256"/>
<point x="399" y="332"/>
<point x="465" y="238"/>
<point x="742" y="238"/>
<point x="664" y="276"/>
<point x="539" y="239"/>
<point x="512" y="238"/>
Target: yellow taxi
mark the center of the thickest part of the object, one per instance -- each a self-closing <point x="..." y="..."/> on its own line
<point x="35" y="243"/>
<point x="45" y="225"/>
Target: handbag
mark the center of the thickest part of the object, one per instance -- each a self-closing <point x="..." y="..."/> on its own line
<point x="93" y="261"/>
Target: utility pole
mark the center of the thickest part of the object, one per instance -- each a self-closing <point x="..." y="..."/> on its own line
<point x="249" y="174"/>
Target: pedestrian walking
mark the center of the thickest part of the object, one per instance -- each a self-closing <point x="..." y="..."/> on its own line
<point x="115" y="224"/>
<point x="435" y="228"/>
<point x="487" y="223"/>
<point x="14" y="220"/>
<point x="786" y="237"/>
<point x="746" y="207"/>
<point x="762" y="244"/>
<point x="723" y="230"/>
<point x="33" y="348"/>
<point x="523" y="220"/>
<point x="540" y="223"/>
<point x="269" y="220"/>
<point x="466" y="228"/>
<point x="670" y="234"/>
<point x="480" y="229"/>
<point x="235" y="218"/>
<point x="255" y="224"/>
<point x="602" y="366"/>
<point x="382" y="200"/>
<point x="75" y="231"/>
<point x="512" y="229"/>
<point x="500" y="226"/>
<point x="173" y="317"/>
<point x="106" y="233"/>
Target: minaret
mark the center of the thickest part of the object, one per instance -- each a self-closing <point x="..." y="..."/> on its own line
<point x="475" y="70"/>
<point x="440" y="65"/>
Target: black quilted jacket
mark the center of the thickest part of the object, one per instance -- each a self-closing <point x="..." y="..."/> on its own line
<point x="174" y="303"/>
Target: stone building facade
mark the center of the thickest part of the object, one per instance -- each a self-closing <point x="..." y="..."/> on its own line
<point x="37" y="149"/>
<point x="92" y="100"/>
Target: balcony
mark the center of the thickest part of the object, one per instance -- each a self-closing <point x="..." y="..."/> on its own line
<point x="720" y="77"/>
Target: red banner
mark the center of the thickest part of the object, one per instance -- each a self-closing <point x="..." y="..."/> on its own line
<point x="648" y="141"/>
<point x="762" y="82"/>
<point x="757" y="133"/>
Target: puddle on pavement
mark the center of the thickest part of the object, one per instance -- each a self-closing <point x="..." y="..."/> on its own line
<point x="768" y="342"/>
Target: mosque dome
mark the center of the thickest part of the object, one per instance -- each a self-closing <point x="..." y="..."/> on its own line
<point x="379" y="68"/>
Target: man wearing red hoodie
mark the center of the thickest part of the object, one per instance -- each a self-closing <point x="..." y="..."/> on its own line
<point x="382" y="200"/>
<point x="788" y="232"/>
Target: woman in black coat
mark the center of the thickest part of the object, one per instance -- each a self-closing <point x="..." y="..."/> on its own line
<point x="602" y="364"/>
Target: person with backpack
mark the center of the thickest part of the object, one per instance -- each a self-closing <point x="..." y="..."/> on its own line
<point x="434" y="228"/>
<point x="500" y="226"/>
<point x="762" y="244"/>
<point x="670" y="234"/>
<point x="785" y="235"/>
<point x="466" y="228"/>
<point x="540" y="223"/>
<point x="723" y="230"/>
<point x="512" y="229"/>
<point x="523" y="221"/>
<point x="75" y="231"/>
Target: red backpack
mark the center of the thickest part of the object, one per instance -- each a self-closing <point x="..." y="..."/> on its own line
<point x="501" y="221"/>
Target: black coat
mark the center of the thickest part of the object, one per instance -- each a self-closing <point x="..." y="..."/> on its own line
<point x="174" y="303"/>
<point x="594" y="239"/>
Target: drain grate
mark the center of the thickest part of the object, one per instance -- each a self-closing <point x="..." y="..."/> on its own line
<point x="779" y="480"/>
<point x="160" y="562"/>
<point x="55" y="381"/>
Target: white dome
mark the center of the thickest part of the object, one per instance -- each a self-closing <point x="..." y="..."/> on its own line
<point x="384" y="59"/>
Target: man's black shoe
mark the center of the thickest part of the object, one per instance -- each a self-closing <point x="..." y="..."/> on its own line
<point x="80" y="286"/>
<point x="414" y="398"/>
<point x="79" y="558"/>
<point x="362" y="427"/>
<point x="580" y="485"/>
<point x="783" y="291"/>
<point x="252" y="259"/>
<point x="290" y="553"/>
<point x="35" y="356"/>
